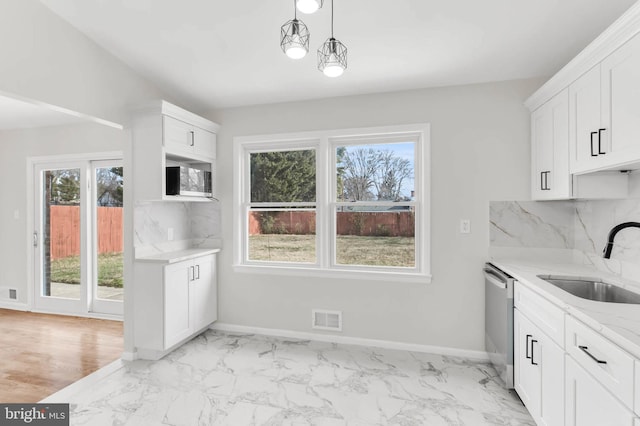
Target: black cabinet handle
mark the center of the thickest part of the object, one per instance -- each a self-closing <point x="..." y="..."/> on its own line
<point x="585" y="349"/>
<point x="546" y="180"/>
<point x="198" y="272"/>
<point x="527" y="345"/>
<point x="592" y="153"/>
<point x="193" y="137"/>
<point x="532" y="342"/>
<point x="541" y="181"/>
<point x="600" y="141"/>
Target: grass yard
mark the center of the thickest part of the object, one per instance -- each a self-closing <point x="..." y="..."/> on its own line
<point x="351" y="249"/>
<point x="67" y="270"/>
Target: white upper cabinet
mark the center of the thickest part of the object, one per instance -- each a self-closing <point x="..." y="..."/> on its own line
<point x="182" y="138"/>
<point x="603" y="118"/>
<point x="166" y="135"/>
<point x="585" y="125"/>
<point x="621" y="105"/>
<point x="605" y="113"/>
<point x="550" y="149"/>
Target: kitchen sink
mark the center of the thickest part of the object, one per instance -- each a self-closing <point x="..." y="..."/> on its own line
<point x="593" y="289"/>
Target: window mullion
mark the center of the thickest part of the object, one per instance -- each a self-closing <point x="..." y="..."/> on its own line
<point x="323" y="176"/>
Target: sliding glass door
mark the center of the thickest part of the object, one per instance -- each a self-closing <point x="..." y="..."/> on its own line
<point x="78" y="237"/>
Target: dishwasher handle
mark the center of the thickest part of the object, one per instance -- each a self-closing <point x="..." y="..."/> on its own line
<point x="495" y="279"/>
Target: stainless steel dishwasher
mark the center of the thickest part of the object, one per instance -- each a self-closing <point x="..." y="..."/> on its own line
<point x="498" y="320"/>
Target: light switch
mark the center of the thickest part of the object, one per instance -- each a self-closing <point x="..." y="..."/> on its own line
<point x="465" y="226"/>
<point x="16" y="214"/>
<point x="170" y="234"/>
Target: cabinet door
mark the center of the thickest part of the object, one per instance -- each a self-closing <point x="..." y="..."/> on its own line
<point x="527" y="380"/>
<point x="539" y="372"/>
<point x="542" y="152"/>
<point x="588" y="403"/>
<point x="550" y="358"/>
<point x="550" y="149"/>
<point x="178" y="136"/>
<point x="205" y="143"/>
<point x="621" y="104"/>
<point x="584" y="121"/>
<point x="177" y="324"/>
<point x="204" y="298"/>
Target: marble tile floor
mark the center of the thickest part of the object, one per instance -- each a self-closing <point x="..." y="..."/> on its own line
<point x="233" y="379"/>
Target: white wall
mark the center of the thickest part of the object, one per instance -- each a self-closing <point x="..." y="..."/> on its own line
<point x="480" y="152"/>
<point x="15" y="147"/>
<point x="46" y="59"/>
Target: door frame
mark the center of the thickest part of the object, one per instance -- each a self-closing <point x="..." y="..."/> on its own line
<point x="32" y="193"/>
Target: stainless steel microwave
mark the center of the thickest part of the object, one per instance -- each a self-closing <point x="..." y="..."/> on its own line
<point x="188" y="182"/>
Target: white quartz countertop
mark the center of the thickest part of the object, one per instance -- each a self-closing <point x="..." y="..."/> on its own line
<point x="178" y="256"/>
<point x="619" y="322"/>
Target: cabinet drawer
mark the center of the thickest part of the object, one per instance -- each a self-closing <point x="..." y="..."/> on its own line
<point x="544" y="314"/>
<point x="609" y="364"/>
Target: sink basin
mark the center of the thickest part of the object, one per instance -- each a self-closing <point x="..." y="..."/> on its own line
<point x="593" y="289"/>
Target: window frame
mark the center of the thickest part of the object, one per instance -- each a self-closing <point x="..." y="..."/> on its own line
<point x="324" y="143"/>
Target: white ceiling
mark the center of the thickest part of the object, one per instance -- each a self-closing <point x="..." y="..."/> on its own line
<point x="215" y="53"/>
<point x="17" y="114"/>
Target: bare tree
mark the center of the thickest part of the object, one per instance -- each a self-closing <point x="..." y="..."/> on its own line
<point x="367" y="174"/>
<point x="391" y="173"/>
<point x="359" y="168"/>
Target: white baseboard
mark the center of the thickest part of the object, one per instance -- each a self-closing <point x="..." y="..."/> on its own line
<point x="129" y="356"/>
<point x="85" y="384"/>
<point x="16" y="306"/>
<point x="386" y="344"/>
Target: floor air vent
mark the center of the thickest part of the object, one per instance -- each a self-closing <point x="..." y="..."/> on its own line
<point x="327" y="320"/>
<point x="13" y="294"/>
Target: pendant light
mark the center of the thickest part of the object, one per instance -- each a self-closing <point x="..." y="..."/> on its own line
<point x="309" y="6"/>
<point x="332" y="55"/>
<point x="294" y="37"/>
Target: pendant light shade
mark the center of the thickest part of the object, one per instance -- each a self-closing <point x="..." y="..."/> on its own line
<point x="294" y="39"/>
<point x="309" y="6"/>
<point x="332" y="58"/>
<point x="332" y="55"/>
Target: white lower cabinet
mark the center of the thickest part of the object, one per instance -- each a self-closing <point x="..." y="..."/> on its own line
<point x="174" y="301"/>
<point x="177" y="322"/>
<point x="539" y="371"/>
<point x="588" y="403"/>
<point x="567" y="373"/>
<point x="203" y="294"/>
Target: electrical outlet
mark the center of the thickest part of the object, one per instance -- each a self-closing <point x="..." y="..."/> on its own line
<point x="465" y="226"/>
<point x="16" y="214"/>
<point x="170" y="234"/>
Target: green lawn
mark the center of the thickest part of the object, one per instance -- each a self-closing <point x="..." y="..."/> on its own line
<point x="350" y="249"/>
<point x="67" y="270"/>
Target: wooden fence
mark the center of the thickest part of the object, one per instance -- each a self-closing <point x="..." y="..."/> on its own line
<point x="65" y="230"/>
<point x="385" y="224"/>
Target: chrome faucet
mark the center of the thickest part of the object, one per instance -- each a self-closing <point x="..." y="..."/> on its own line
<point x="612" y="235"/>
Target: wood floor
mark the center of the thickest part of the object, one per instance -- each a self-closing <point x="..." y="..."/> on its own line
<point x="41" y="354"/>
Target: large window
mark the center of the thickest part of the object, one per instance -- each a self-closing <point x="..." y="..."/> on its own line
<point x="351" y="202"/>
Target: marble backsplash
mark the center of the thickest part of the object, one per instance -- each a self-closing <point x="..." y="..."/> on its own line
<point x="580" y="225"/>
<point x="194" y="224"/>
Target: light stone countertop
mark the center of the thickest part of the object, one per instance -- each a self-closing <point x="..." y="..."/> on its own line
<point x="619" y="322"/>
<point x="178" y="256"/>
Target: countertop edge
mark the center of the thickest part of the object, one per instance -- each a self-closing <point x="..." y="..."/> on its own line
<point x="178" y="256"/>
<point x="570" y="304"/>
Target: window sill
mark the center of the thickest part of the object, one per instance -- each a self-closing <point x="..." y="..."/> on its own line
<point x="335" y="273"/>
